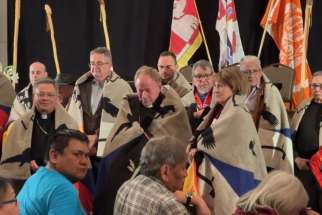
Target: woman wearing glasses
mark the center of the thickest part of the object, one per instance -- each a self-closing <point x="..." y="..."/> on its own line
<point x="8" y="201"/>
<point x="228" y="161"/>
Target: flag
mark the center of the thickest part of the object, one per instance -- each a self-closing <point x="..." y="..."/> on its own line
<point x="185" y="36"/>
<point x="231" y="48"/>
<point x="285" y="25"/>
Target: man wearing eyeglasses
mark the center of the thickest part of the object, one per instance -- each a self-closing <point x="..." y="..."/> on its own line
<point x="267" y="108"/>
<point x="23" y="101"/>
<point x="96" y="98"/>
<point x="197" y="101"/>
<point x="167" y="66"/>
<point x="307" y="137"/>
<point x="25" y="143"/>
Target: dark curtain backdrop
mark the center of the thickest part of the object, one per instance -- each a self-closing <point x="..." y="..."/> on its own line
<point x="139" y="30"/>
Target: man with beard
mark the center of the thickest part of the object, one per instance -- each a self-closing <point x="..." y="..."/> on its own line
<point x="167" y="66"/>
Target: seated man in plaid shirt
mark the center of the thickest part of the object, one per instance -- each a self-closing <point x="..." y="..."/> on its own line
<point x="157" y="189"/>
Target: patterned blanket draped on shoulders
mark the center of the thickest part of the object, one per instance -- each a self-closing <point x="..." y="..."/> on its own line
<point x="229" y="160"/>
<point x="129" y="135"/>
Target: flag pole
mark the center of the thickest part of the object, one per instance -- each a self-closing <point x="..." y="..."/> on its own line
<point x="271" y="3"/>
<point x="203" y="34"/>
<point x="52" y="37"/>
<point x="103" y="18"/>
<point x="16" y="36"/>
<point x="307" y="26"/>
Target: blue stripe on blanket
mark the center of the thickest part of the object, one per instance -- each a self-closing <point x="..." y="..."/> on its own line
<point x="240" y="180"/>
<point x="287" y="132"/>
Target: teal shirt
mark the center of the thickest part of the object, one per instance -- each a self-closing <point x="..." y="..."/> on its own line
<point x="49" y="192"/>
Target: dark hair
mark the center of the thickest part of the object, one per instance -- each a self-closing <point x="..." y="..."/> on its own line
<point x="45" y="81"/>
<point x="4" y="185"/>
<point x="60" y="139"/>
<point x="169" y="54"/>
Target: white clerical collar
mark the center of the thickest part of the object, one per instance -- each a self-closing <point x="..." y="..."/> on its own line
<point x="43" y="116"/>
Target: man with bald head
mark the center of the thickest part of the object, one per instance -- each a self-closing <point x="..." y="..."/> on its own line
<point x="23" y="100"/>
<point x="267" y="108"/>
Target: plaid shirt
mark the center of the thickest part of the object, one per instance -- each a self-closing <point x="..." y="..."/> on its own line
<point x="146" y="195"/>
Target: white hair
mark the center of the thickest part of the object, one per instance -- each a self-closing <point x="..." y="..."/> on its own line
<point x="280" y="191"/>
<point x="244" y="62"/>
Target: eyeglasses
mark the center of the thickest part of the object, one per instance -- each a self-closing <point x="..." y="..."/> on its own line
<point x="98" y="64"/>
<point x="200" y="76"/>
<point x="50" y="95"/>
<point x="8" y="202"/>
<point x="316" y="86"/>
<point x="251" y="72"/>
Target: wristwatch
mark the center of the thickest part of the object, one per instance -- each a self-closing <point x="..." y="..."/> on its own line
<point x="189" y="196"/>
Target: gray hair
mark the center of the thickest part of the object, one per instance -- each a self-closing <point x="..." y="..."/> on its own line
<point x="280" y="191"/>
<point x="102" y="50"/>
<point x="149" y="71"/>
<point x="204" y="64"/>
<point x="160" y="151"/>
<point x="317" y="73"/>
<point x="247" y="59"/>
<point x="45" y="81"/>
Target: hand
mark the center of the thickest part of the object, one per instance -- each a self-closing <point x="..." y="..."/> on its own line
<point x="198" y="113"/>
<point x="92" y="144"/>
<point x="191" y="154"/>
<point x="34" y="166"/>
<point x="201" y="206"/>
<point x="302" y="163"/>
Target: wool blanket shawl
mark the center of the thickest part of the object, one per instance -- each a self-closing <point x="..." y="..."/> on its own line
<point x="16" y="151"/>
<point x="229" y="161"/>
<point x="22" y="103"/>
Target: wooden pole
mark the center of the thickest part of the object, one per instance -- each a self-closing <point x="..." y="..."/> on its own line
<point x="16" y="36"/>
<point x="270" y="6"/>
<point x="52" y="36"/>
<point x="104" y="23"/>
<point x="203" y="35"/>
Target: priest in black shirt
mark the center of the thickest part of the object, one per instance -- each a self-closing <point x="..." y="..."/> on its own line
<point x="307" y="140"/>
<point x="26" y="141"/>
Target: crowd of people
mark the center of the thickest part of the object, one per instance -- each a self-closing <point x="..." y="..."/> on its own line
<point x="222" y="144"/>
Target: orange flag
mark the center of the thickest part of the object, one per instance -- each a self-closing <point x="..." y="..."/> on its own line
<point x="185" y="36"/>
<point x="285" y="25"/>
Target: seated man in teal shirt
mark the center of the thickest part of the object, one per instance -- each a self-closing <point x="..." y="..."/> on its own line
<point x="50" y="190"/>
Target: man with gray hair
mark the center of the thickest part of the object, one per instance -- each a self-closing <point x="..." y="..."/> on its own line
<point x="156" y="190"/>
<point x="267" y="108"/>
<point x="197" y="101"/>
<point x="23" y="101"/>
<point x="154" y="111"/>
<point x="96" y="99"/>
<point x="307" y="138"/>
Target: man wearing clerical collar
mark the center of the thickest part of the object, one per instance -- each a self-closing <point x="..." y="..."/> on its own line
<point x="25" y="143"/>
<point x="307" y="137"/>
<point x="267" y="108"/>
<point x="154" y="111"/>
<point x="198" y="101"/>
<point x="23" y="101"/>
<point x="167" y="66"/>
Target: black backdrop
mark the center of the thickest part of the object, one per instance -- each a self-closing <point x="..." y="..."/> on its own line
<point x="139" y="30"/>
